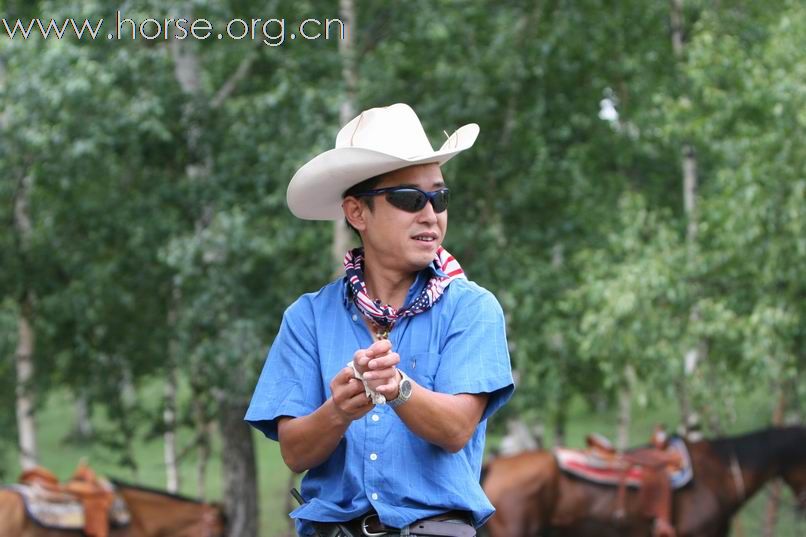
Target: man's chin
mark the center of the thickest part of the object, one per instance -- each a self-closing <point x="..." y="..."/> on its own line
<point x="420" y="261"/>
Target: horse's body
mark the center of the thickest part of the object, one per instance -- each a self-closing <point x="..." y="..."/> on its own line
<point x="532" y="495"/>
<point x="157" y="514"/>
<point x="14" y="521"/>
<point x="153" y="513"/>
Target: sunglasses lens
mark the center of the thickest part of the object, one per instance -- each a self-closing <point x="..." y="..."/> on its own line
<point x="440" y="200"/>
<point x="407" y="200"/>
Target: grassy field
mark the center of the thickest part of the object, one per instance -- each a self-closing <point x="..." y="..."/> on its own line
<point x="55" y="419"/>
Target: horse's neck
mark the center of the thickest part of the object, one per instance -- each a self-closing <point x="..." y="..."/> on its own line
<point x="747" y="481"/>
<point x="750" y="469"/>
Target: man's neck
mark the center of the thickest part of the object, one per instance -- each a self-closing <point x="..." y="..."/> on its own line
<point x="386" y="284"/>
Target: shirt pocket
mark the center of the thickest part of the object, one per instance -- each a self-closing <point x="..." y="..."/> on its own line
<point x="422" y="368"/>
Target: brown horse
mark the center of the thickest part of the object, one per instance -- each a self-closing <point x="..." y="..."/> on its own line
<point x="160" y="514"/>
<point x="534" y="497"/>
<point x="153" y="514"/>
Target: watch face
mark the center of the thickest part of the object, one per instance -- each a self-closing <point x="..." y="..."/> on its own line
<point x="405" y="388"/>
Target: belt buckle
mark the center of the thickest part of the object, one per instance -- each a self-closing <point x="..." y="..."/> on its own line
<point x="364" y="526"/>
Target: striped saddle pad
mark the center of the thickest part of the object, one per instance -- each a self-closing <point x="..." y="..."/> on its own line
<point x="61" y="511"/>
<point x="604" y="469"/>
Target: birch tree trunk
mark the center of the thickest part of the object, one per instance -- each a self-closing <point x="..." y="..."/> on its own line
<point x="24" y="354"/>
<point x="187" y="71"/>
<point x="83" y="426"/>
<point x="127" y="402"/>
<point x="774" y="499"/>
<point x="557" y="344"/>
<point x="560" y="420"/>
<point x="697" y="353"/>
<point x="202" y="423"/>
<point x="238" y="455"/>
<point x="169" y="436"/>
<point x="349" y="73"/>
<point x="170" y="450"/>
<point x="26" y="424"/>
<point x="240" y="476"/>
<point x="205" y="434"/>
<point x="624" y="415"/>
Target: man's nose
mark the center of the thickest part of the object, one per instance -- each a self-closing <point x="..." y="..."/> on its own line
<point x="427" y="213"/>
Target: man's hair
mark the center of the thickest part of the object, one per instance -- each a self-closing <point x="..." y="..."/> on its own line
<point x="355" y="190"/>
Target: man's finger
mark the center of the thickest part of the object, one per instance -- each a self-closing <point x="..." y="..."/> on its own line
<point x="359" y="402"/>
<point x="379" y="348"/>
<point x="380" y="374"/>
<point x="360" y="357"/>
<point x="387" y="390"/>
<point x="354" y="387"/>
<point x="383" y="362"/>
<point x="346" y="374"/>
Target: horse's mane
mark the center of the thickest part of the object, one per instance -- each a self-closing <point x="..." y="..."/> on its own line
<point x="120" y="483"/>
<point x="785" y="445"/>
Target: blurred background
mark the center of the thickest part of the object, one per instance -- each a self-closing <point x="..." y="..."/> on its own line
<point x="636" y="201"/>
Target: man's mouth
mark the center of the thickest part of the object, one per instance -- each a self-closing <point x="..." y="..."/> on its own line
<point x="426" y="237"/>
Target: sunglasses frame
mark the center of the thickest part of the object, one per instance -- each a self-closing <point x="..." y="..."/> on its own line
<point x="429" y="196"/>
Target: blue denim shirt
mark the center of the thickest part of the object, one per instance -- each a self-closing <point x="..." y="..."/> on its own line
<point x="458" y="346"/>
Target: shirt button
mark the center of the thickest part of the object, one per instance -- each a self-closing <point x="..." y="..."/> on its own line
<point x="355" y="317"/>
<point x="373" y="457"/>
<point x="374" y="496"/>
<point x="375" y="417"/>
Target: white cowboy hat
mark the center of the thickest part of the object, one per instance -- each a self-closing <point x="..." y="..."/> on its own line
<point x="378" y="141"/>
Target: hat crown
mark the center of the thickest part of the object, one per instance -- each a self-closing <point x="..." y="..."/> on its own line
<point x="394" y="130"/>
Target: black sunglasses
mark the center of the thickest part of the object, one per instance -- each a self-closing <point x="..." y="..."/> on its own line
<point x="411" y="199"/>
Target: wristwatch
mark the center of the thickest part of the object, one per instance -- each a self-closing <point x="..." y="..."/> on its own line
<point x="404" y="391"/>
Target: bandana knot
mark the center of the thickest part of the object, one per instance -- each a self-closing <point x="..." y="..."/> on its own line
<point x="385" y="315"/>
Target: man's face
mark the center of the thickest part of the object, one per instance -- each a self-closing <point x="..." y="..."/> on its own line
<point x="400" y="239"/>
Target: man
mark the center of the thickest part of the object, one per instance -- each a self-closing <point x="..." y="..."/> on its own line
<point x="380" y="384"/>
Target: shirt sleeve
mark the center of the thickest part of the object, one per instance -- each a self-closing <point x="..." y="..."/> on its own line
<point x="290" y="383"/>
<point x="475" y="357"/>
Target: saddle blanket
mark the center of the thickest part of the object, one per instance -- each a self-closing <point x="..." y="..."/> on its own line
<point x="60" y="511"/>
<point x="609" y="470"/>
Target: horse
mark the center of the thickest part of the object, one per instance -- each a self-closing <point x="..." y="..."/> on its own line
<point x="154" y="513"/>
<point x="534" y="497"/>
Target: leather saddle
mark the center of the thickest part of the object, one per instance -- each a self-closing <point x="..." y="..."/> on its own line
<point x="86" y="502"/>
<point x="654" y="471"/>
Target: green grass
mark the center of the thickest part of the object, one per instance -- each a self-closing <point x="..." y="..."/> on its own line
<point x="56" y="417"/>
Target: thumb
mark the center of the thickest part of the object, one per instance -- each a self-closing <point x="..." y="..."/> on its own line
<point x="346" y="374"/>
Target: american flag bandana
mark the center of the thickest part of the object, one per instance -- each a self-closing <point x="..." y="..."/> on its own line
<point x="385" y="316"/>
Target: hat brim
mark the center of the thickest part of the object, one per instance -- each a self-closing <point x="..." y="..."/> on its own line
<point x="315" y="192"/>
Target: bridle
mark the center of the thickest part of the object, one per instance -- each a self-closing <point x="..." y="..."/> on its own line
<point x="738" y="478"/>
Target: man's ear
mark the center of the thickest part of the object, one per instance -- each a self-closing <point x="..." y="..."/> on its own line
<point x="354" y="212"/>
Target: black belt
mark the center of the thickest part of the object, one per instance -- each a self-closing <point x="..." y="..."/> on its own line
<point x="451" y="524"/>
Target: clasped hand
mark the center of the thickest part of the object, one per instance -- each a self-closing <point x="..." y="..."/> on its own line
<point x="377" y="365"/>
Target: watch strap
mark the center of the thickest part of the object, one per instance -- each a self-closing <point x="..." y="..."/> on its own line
<point x="401" y="397"/>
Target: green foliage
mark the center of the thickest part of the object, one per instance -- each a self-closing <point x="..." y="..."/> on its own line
<point x="160" y="235"/>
